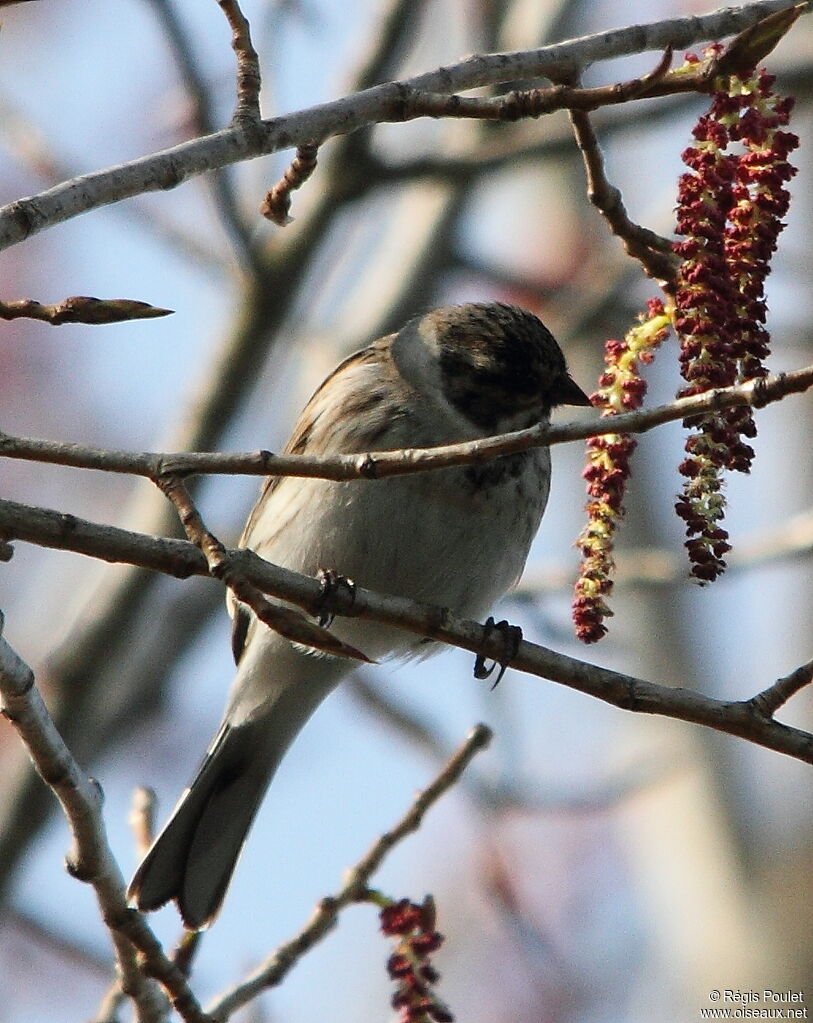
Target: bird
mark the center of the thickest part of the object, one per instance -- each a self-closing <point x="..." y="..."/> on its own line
<point x="457" y="537"/>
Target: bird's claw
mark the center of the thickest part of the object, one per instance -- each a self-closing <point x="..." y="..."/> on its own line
<point x="330" y="583"/>
<point x="512" y="637"/>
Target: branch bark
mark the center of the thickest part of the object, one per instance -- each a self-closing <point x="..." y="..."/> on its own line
<point x="287" y="623"/>
<point x="139" y="954"/>
<point x="90" y="858"/>
<point x="380" y="464"/>
<point x="250" y="138"/>
<point x="742" y="718"/>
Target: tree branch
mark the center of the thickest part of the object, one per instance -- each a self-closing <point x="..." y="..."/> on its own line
<point x="181" y="558"/>
<point x="247" y="112"/>
<point x="651" y="250"/>
<point x="290" y="624"/>
<point x="246" y="140"/>
<point x="81" y="309"/>
<point x="90" y="858"/>
<point x="189" y="65"/>
<point x="771" y="699"/>
<point x="274" y="969"/>
<point x="380" y="464"/>
<point x="276" y="206"/>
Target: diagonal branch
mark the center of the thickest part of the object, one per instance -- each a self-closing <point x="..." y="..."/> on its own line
<point x="651" y="250"/>
<point x="283" y="620"/>
<point x="274" y="969"/>
<point x="181" y="558"/>
<point x="90" y="858"/>
<point x="246" y="140"/>
<point x="771" y="699"/>
<point x="140" y="955"/>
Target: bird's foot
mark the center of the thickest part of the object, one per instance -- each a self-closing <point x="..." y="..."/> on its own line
<point x="331" y="583"/>
<point x="512" y="637"/>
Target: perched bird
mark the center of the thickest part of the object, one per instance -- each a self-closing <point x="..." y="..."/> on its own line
<point x="456" y="537"/>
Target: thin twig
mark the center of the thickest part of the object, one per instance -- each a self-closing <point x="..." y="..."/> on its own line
<point x="186" y="949"/>
<point x="650" y="249"/>
<point x="565" y="94"/>
<point x="142" y="819"/>
<point x="90" y="858"/>
<point x="653" y="251"/>
<point x="324" y="918"/>
<point x="381" y="464"/>
<point x="249" y="82"/>
<point x="202" y="119"/>
<point x="771" y="699"/>
<point x="283" y="620"/>
<point x="241" y="141"/>
<point x="81" y="309"/>
<point x="276" y="206"/>
<point x="519" y="145"/>
<point x="111" y="1005"/>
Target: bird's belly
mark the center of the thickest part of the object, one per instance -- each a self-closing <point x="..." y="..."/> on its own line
<point x="457" y="537"/>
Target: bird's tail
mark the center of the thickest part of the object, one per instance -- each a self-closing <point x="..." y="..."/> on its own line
<point x="194" y="856"/>
<point x="277" y="688"/>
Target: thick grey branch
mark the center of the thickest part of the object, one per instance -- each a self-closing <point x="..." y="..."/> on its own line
<point x="181" y="558"/>
<point x="246" y="140"/>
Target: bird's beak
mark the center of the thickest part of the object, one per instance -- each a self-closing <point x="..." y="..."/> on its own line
<point x="568" y="392"/>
